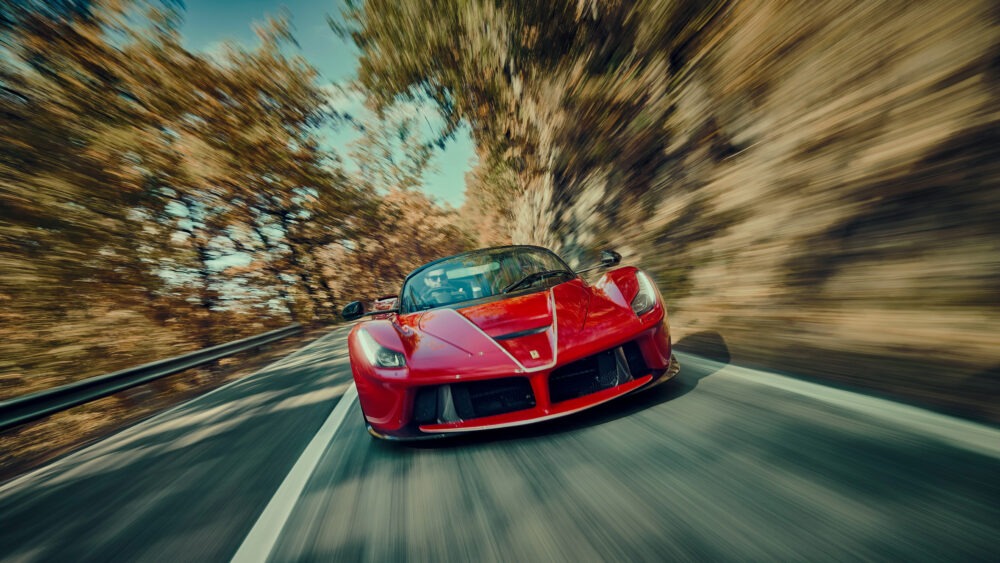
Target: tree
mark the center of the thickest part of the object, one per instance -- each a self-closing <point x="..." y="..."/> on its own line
<point x="404" y="230"/>
<point x="129" y="166"/>
<point x="392" y="154"/>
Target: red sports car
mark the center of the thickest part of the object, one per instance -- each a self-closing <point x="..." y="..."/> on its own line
<point x="506" y="336"/>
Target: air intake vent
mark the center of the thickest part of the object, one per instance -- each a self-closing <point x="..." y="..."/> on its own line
<point x="589" y="375"/>
<point x="475" y="399"/>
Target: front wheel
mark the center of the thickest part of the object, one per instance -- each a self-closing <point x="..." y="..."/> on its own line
<point x="674" y="368"/>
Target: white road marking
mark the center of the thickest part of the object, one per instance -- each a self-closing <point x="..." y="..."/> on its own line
<point x="45" y="469"/>
<point x="961" y="433"/>
<point x="260" y="541"/>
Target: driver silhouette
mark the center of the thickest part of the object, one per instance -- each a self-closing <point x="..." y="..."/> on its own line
<point x="434" y="279"/>
<point x="436" y="290"/>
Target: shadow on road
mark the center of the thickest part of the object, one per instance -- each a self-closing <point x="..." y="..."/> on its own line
<point x="709" y="344"/>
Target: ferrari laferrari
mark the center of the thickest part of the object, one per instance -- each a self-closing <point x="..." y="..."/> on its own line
<point x="506" y="336"/>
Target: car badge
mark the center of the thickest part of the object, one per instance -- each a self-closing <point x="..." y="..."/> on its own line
<point x="533" y="354"/>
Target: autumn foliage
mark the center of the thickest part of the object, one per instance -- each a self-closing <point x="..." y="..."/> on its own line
<point x="815" y="183"/>
<point x="155" y="200"/>
<point x="804" y="180"/>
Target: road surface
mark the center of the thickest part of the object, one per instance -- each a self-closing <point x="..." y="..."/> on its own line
<point x="727" y="463"/>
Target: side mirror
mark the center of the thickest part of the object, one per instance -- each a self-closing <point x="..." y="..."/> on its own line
<point x="610" y="258"/>
<point x="385" y="306"/>
<point x="353" y="311"/>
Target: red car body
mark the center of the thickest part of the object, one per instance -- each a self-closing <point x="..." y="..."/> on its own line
<point x="512" y="360"/>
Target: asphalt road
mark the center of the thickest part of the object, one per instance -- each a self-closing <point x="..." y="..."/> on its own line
<point x="725" y="464"/>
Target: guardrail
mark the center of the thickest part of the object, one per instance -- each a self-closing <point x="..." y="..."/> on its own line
<point x="26" y="408"/>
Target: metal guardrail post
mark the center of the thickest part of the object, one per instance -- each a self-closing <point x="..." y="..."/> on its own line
<point x="27" y="408"/>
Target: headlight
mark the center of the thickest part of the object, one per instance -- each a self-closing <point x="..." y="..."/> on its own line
<point x="645" y="300"/>
<point x="378" y="355"/>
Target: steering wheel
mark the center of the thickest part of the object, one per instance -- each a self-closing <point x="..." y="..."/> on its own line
<point x="440" y="295"/>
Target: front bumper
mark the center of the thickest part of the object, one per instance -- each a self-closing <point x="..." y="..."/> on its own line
<point x="427" y="411"/>
<point x="539" y="413"/>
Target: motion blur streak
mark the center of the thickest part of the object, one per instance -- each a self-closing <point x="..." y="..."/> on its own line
<point x="713" y="467"/>
<point x="816" y="181"/>
<point x="812" y="185"/>
<point x="151" y="493"/>
<point x="156" y="200"/>
<point x="260" y="541"/>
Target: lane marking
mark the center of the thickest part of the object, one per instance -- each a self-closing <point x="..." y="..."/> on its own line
<point x="965" y="434"/>
<point x="259" y="543"/>
<point x="138" y="426"/>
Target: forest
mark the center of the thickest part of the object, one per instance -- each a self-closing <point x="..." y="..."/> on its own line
<point x="157" y="200"/>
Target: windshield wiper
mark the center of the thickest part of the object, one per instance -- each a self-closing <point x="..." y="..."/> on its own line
<point x="532" y="278"/>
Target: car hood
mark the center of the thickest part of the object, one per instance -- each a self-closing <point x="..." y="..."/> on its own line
<point x="519" y="334"/>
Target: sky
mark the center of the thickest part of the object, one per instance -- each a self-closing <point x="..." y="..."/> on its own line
<point x="208" y="24"/>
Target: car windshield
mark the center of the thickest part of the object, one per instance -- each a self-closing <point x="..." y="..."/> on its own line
<point x="482" y="274"/>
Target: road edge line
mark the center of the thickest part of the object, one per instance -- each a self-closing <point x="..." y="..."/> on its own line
<point x="264" y="534"/>
<point x="958" y="432"/>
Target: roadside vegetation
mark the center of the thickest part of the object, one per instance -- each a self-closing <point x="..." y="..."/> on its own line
<point x="813" y="183"/>
<point x="155" y="201"/>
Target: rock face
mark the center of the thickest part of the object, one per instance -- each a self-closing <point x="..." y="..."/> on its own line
<point x="814" y="186"/>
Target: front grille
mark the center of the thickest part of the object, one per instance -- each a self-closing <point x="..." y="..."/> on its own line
<point x="475" y="399"/>
<point x="589" y="375"/>
<point x="425" y="405"/>
<point x="492" y="396"/>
